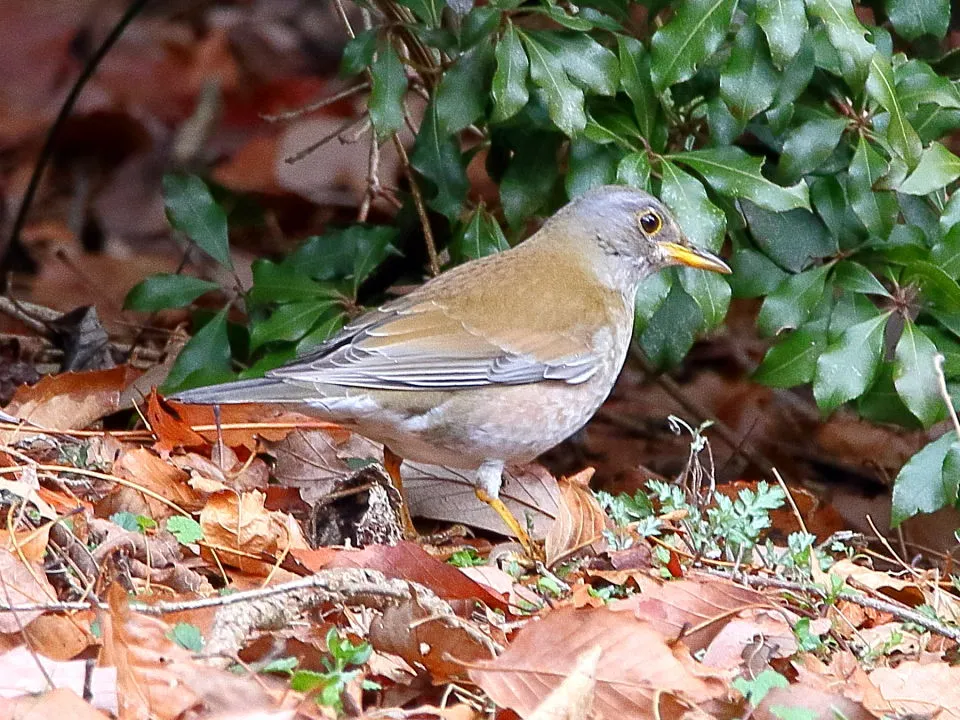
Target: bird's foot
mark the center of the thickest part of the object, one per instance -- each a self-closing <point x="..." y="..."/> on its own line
<point x="532" y="550"/>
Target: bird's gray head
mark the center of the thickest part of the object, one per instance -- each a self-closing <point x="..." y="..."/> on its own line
<point x="633" y="228"/>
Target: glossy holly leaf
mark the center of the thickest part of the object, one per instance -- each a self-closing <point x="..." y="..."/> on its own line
<point x="291" y="321"/>
<point x="386" y="93"/>
<point x="938" y="167"/>
<point x="877" y="209"/>
<point x="163" y="291"/>
<point x="784" y="22"/>
<point x="847" y="37"/>
<point x="692" y="35"/>
<point x="349" y="254"/>
<point x="792" y="239"/>
<point x="611" y="125"/>
<point x="946" y="253"/>
<point x="793" y="360"/>
<point x="590" y="165"/>
<point x="462" y="94"/>
<point x="509" y="90"/>
<point x="636" y="83"/>
<point x="564" y="99"/>
<point x="749" y="81"/>
<point x="808" y="146"/>
<point x="529" y="178"/>
<point x="701" y="221"/>
<point x="949" y="347"/>
<point x="849" y="365"/>
<point x="358" y="53"/>
<point x="672" y="329"/>
<point x="855" y="278"/>
<point x="282" y="282"/>
<point x="436" y="155"/>
<point x="634" y="170"/>
<point x="478" y="25"/>
<point x="900" y="133"/>
<point x="192" y="210"/>
<point x="731" y="171"/>
<point x="929" y="480"/>
<point x="918" y="84"/>
<point x="754" y="274"/>
<point x="789" y="306"/>
<point x="586" y="62"/>
<point x="710" y="292"/>
<point x="323" y="331"/>
<point x="480" y="236"/>
<point x="650" y="296"/>
<point x="204" y="360"/>
<point x="912" y="19"/>
<point x="829" y="197"/>
<point x="915" y="377"/>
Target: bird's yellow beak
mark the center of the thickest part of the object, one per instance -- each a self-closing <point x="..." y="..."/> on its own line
<point x="694" y="257"/>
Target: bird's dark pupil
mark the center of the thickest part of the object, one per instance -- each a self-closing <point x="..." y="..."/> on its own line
<point x="650" y="223"/>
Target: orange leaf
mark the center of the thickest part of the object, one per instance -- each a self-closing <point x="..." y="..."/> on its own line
<point x="580" y="521"/>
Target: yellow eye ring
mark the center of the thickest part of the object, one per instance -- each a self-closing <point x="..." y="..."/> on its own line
<point x="650" y="222"/>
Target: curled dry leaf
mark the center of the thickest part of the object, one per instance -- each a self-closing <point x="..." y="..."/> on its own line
<point x="242" y="523"/>
<point x="145" y="469"/>
<point x="637" y="669"/>
<point x="580" y="521"/>
<point x="901" y="590"/>
<point x="70" y="401"/>
<point x="21" y="584"/>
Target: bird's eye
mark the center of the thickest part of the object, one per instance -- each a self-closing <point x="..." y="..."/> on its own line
<point x="650" y="223"/>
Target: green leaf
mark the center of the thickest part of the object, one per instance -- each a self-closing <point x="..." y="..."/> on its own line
<point x="947" y="346"/>
<point x="946" y="254"/>
<point x="701" y="221"/>
<point x="564" y="99"/>
<point x="560" y="17"/>
<point x="692" y="35"/>
<point x="590" y="165"/>
<point x="436" y="155"/>
<point x="358" y="53"/>
<point x="915" y="377"/>
<point x="672" y="329"/>
<point x="849" y="309"/>
<point x="784" y="22"/>
<point x="882" y="404"/>
<point x="938" y="167"/>
<point x="163" y="291"/>
<point x="529" y="178"/>
<point x="900" y="133"/>
<point x="321" y="333"/>
<point x="829" y="197"/>
<point x="480" y="236"/>
<point x="749" y="81"/>
<point x="461" y="97"/>
<point x="610" y="125"/>
<point x="187" y="636"/>
<point x="710" y="292"/>
<point x="730" y="171"/>
<point x="849" y="366"/>
<point x="291" y="321"/>
<point x="509" y="90"/>
<point x="586" y="62"/>
<point x="913" y="19"/>
<point x="478" y="25"/>
<point x="790" y="304"/>
<point x="754" y="274"/>
<point x="877" y="209"/>
<point x="918" y="84"/>
<point x="427" y="11"/>
<point x="386" y="93"/>
<point x="185" y="529"/>
<point x="352" y="253"/>
<point x="792" y="239"/>
<point x="636" y="83"/>
<point x="192" y="210"/>
<point x="929" y="480"/>
<point x="634" y="170"/>
<point x="205" y="358"/>
<point x="846" y="35"/>
<point x="650" y="296"/>
<point x="792" y="361"/>
<point x="855" y="278"/>
<point x="810" y="145"/>
<point x="282" y="282"/>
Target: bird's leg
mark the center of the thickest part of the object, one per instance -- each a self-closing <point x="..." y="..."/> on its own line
<point x="489" y="479"/>
<point x="392" y="463"/>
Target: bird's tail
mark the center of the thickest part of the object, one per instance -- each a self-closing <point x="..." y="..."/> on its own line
<point x="258" y="390"/>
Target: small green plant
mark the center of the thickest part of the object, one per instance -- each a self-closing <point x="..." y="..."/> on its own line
<point x="186" y="530"/>
<point x="756" y="690"/>
<point x="341" y="667"/>
<point x="134" y="523"/>
<point x="187" y="636"/>
<point x="467" y="557"/>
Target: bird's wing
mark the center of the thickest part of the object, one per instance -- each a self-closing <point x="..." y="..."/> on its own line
<point x="417" y="343"/>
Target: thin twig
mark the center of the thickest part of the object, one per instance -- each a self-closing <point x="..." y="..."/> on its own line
<point x="313" y="147"/>
<point x="902" y="613"/>
<point x="46" y="152"/>
<point x="421" y="208"/>
<point x="312" y="107"/>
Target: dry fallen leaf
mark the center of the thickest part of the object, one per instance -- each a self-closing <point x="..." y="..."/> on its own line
<point x="573" y="698"/>
<point x="636" y="671"/>
<point x="21" y="584"/>
<point x="929" y="691"/>
<point x="580" y="521"/>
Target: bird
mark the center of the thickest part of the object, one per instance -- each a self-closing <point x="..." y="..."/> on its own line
<point x="494" y="361"/>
